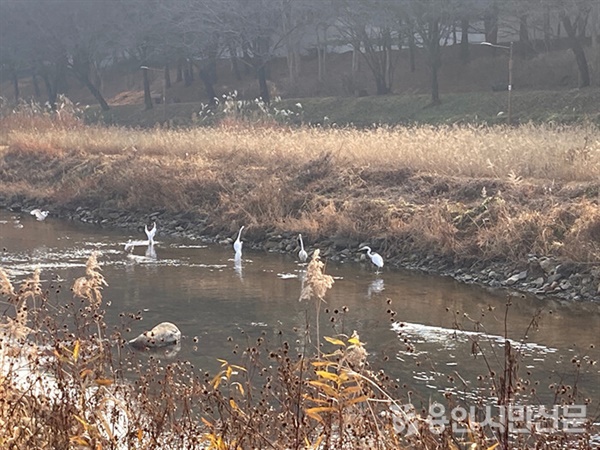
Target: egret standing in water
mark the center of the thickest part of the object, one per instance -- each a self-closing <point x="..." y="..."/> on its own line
<point x="237" y="245"/>
<point x="302" y="254"/>
<point x="375" y="257"/>
<point x="39" y="214"/>
<point x="150" y="233"/>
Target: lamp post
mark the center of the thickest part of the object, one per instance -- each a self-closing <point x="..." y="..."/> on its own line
<point x="164" y="89"/>
<point x="510" y="73"/>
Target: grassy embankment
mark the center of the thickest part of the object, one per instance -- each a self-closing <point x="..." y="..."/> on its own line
<point x="565" y="106"/>
<point x="469" y="192"/>
<point x="465" y="193"/>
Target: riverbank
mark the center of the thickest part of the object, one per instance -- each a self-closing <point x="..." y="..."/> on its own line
<point x="514" y="208"/>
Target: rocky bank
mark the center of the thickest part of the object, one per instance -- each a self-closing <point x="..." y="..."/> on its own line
<point x="539" y="275"/>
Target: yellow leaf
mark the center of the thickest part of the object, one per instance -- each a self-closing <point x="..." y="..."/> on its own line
<point x="228" y="372"/>
<point x="335" y="341"/>
<point x="318" y="443"/>
<point x="494" y="446"/>
<point x="239" y="387"/>
<point x="103" y="381"/>
<point x="316" y="400"/>
<point x="79" y="440"/>
<point x="216" y="381"/>
<point x="320" y="409"/>
<point x="362" y="398"/>
<point x="355" y="341"/>
<point x="328" y="375"/>
<point x="223" y="362"/>
<point x="83" y="422"/>
<point x="324" y="387"/>
<point x="207" y="423"/>
<point x="85" y="372"/>
<point x="76" y="350"/>
<point x="239" y="367"/>
<point x="140" y="435"/>
<point x="323" y="363"/>
<point x="315" y="416"/>
<point x="354" y="389"/>
<point x="233" y="404"/>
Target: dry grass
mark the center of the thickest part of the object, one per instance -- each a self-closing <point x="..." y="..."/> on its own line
<point x="561" y="153"/>
<point x="68" y="380"/>
<point x="472" y="192"/>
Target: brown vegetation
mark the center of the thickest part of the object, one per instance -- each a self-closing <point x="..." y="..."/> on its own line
<point x="466" y="193"/>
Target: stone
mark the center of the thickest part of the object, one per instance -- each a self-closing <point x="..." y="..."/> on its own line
<point x="538" y="282"/>
<point x="162" y="335"/>
<point x="547" y="265"/>
<point x="516" y="277"/>
<point x="554" y="278"/>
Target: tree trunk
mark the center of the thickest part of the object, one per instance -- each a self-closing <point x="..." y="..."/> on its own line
<point x="355" y="63"/>
<point x="95" y="91"/>
<point x="412" y="49"/>
<point x="595" y="25"/>
<point x="547" y="30"/>
<point x="575" y="44"/>
<point x="167" y="76"/>
<point x="36" y="85"/>
<point x="524" y="43"/>
<point x="190" y="72"/>
<point x="261" y="73"/>
<point x="179" y="76"/>
<point x="490" y="24"/>
<point x="434" y="59"/>
<point x="15" y="80"/>
<point x="435" y="88"/>
<point x="464" y="41"/>
<point x="206" y="79"/>
<point x="147" y="95"/>
<point x="380" y="85"/>
<point x="235" y="67"/>
<point x="321" y="52"/>
<point x="50" y="90"/>
<point x="246" y="58"/>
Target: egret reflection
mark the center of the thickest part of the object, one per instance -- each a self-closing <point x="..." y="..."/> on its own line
<point x="237" y="265"/>
<point x="376" y="287"/>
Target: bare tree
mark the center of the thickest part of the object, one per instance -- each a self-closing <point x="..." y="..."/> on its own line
<point x="371" y="28"/>
<point x="432" y="21"/>
<point x="255" y="26"/>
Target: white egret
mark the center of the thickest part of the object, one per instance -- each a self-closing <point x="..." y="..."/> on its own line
<point x="302" y="254"/>
<point x="237" y="245"/>
<point x="39" y="214"/>
<point x="150" y="233"/>
<point x="375" y="257"/>
<point x="129" y="245"/>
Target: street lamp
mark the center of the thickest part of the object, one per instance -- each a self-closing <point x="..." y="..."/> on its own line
<point x="510" y="72"/>
<point x="164" y="90"/>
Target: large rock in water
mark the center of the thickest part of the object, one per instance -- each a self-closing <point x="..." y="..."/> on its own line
<point x="164" y="334"/>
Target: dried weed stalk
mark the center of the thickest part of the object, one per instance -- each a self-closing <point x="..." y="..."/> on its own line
<point x="316" y="285"/>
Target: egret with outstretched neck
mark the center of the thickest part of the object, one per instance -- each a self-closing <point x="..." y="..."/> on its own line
<point x="375" y="257"/>
<point x="150" y="233"/>
<point x="237" y="245"/>
<point x="302" y="254"/>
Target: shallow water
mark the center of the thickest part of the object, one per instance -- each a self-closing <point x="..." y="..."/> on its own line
<point x="210" y="296"/>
